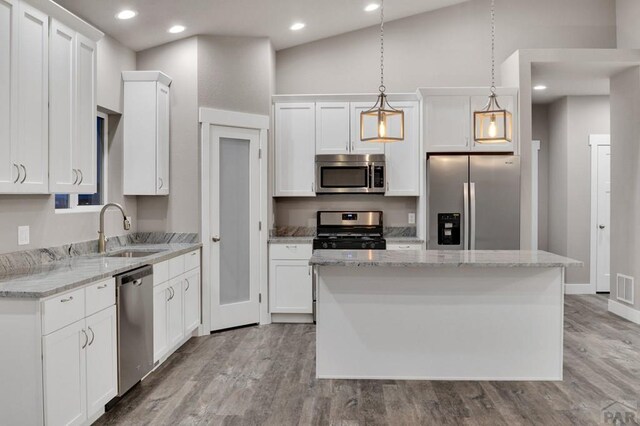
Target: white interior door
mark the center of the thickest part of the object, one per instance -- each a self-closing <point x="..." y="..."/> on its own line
<point x="603" y="212"/>
<point x="235" y="212"/>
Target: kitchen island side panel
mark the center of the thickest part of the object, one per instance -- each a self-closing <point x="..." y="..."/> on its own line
<point x="457" y="323"/>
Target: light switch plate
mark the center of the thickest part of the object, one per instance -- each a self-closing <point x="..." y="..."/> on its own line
<point x="23" y="235"/>
<point x="412" y="218"/>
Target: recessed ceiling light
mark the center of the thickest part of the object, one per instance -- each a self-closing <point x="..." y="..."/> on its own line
<point x="371" y="7"/>
<point x="540" y="87"/>
<point x="126" y="14"/>
<point x="177" y="29"/>
<point x="297" y="26"/>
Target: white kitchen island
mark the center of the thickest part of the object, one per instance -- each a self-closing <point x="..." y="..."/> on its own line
<point x="439" y="315"/>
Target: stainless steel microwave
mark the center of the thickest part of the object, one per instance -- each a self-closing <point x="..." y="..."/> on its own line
<point x="350" y="174"/>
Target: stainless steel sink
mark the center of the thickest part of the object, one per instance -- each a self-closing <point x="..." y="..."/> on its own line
<point x="134" y="253"/>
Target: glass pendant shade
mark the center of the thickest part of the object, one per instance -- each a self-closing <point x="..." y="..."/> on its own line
<point x="493" y="124"/>
<point x="382" y="123"/>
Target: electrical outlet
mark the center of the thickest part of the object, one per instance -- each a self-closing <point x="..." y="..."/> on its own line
<point x="23" y="235"/>
<point x="412" y="218"/>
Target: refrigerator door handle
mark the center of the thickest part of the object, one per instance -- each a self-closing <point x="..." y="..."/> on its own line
<point x="472" y="217"/>
<point x="465" y="217"/>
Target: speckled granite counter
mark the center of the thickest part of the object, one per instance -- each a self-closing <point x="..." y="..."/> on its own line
<point x="56" y="277"/>
<point x="291" y="240"/>
<point x="441" y="258"/>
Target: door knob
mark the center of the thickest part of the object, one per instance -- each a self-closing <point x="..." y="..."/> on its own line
<point x="601" y="227"/>
<point x="215" y="239"/>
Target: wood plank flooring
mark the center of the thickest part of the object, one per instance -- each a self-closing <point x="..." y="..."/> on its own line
<point x="266" y="375"/>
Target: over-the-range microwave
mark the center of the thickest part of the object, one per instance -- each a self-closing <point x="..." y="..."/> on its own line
<point x="350" y="174"/>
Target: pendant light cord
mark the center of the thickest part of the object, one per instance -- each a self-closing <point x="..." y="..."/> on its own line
<point x="493" y="47"/>
<point x="382" y="88"/>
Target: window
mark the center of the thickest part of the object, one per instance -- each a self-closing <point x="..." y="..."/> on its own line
<point x="90" y="202"/>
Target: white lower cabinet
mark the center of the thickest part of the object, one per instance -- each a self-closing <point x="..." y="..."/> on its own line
<point x="191" y="297"/>
<point x="65" y="384"/>
<point x="175" y="312"/>
<point x="176" y="303"/>
<point x="290" y="279"/>
<point x="160" y="320"/>
<point x="80" y="373"/>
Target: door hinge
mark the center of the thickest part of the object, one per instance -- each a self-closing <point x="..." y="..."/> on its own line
<point x="260" y="153"/>
<point x="259" y="297"/>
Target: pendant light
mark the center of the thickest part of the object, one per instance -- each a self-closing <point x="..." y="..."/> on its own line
<point x="382" y="123"/>
<point x="492" y="124"/>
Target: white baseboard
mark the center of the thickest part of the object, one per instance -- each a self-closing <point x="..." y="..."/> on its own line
<point x="292" y="318"/>
<point x="578" y="289"/>
<point x="624" y="311"/>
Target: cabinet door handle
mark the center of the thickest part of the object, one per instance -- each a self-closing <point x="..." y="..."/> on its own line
<point x="161" y="183"/>
<point x="25" y="173"/>
<point x="75" y="174"/>
<point x="309" y="270"/>
<point x="404" y="247"/>
<point x="86" y="339"/>
<point x="18" y="169"/>
<point x="292" y="247"/>
<point x="93" y="336"/>
<point x="100" y="287"/>
<point x="69" y="299"/>
<point x="215" y="239"/>
<point x="81" y="177"/>
<point x="188" y="285"/>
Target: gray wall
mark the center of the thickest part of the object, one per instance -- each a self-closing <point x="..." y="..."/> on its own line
<point x="625" y="178"/>
<point x="447" y="47"/>
<point x="540" y="129"/>
<point x="38" y="211"/>
<point x="179" y="211"/>
<point x="572" y="120"/>
<point x="235" y="73"/>
<point x="628" y="17"/>
<point x="232" y="73"/>
<point x="302" y="211"/>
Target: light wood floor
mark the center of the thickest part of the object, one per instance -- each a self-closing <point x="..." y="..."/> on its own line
<point x="266" y="375"/>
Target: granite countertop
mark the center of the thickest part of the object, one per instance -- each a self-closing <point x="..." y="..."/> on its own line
<point x="405" y="240"/>
<point x="441" y="258"/>
<point x="57" y="277"/>
<point x="308" y="239"/>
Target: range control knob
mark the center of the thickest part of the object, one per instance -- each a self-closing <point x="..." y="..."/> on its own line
<point x="334" y="245"/>
<point x="364" y="245"/>
<point x="325" y="245"/>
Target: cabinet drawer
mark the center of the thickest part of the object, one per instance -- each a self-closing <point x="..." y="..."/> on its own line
<point x="160" y="272"/>
<point x="176" y="266"/>
<point x="192" y="260"/>
<point x="62" y="310"/>
<point x="409" y="246"/>
<point x="291" y="251"/>
<point x="99" y="296"/>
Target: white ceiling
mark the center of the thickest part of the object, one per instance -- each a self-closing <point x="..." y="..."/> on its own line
<point x="256" y="18"/>
<point x="567" y="79"/>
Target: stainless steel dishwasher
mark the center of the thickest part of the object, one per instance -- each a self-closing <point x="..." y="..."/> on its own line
<point x="134" y="292"/>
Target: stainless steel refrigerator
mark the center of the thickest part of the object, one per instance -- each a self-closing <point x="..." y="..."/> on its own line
<point x="474" y="202"/>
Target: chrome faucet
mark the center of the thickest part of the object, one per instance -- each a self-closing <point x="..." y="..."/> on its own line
<point x="102" y="239"/>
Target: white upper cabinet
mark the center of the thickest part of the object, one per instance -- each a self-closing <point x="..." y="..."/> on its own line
<point x="8" y="95"/>
<point x="62" y="174"/>
<point x="332" y="128"/>
<point x="85" y="148"/>
<point x="146" y="132"/>
<point x="446" y="124"/>
<point x="33" y="96"/>
<point x="295" y="149"/>
<point x="403" y="157"/>
<point x="357" y="146"/>
<point x="448" y="119"/>
<point x="72" y="112"/>
<point x="507" y="102"/>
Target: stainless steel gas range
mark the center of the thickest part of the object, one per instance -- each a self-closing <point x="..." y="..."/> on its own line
<point x="349" y="230"/>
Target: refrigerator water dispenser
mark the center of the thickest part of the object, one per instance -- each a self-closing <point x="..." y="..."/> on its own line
<point x="448" y="229"/>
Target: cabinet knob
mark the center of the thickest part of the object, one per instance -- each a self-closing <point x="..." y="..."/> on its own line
<point x="601" y="226"/>
<point x="215" y="239"/>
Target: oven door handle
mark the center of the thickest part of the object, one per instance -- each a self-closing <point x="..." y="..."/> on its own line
<point x="370" y="178"/>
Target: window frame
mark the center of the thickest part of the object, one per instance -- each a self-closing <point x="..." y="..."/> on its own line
<point x="73" y="198"/>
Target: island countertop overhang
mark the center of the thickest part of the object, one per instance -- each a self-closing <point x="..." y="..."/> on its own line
<point x="442" y="258"/>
